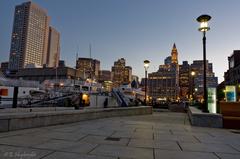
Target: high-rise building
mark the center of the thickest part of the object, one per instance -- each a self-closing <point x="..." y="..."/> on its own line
<point x="89" y="67"/>
<point x="164" y="84"/>
<point x="118" y="72"/>
<point x="96" y="66"/>
<point x="29" y="41"/>
<point x="128" y="74"/>
<point x="105" y="78"/>
<point x="232" y="76"/>
<point x="4" y="67"/>
<point x="53" y="53"/>
<point x="122" y="74"/>
<point x="105" y="75"/>
<point x="184" y="80"/>
<point x="212" y="81"/>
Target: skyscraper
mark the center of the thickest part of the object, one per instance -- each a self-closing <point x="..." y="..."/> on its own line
<point x="212" y="81"/>
<point x="29" y="41"/>
<point x="53" y="53"/>
<point x="184" y="80"/>
<point x="122" y="74"/>
<point x="88" y="67"/>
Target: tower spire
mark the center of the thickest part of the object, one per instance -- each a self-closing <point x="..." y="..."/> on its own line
<point x="174" y="54"/>
<point x="174" y="46"/>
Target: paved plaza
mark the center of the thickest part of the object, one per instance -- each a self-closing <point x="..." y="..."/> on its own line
<point x="162" y="135"/>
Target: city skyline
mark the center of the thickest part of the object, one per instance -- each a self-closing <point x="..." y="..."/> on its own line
<point x="135" y="30"/>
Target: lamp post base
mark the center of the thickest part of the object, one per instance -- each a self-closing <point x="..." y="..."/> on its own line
<point x="205" y="111"/>
<point x="204" y="108"/>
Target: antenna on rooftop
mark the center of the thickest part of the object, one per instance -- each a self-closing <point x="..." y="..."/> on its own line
<point x="91" y="62"/>
<point x="75" y="73"/>
<point x="77" y="55"/>
<point x="90" y="50"/>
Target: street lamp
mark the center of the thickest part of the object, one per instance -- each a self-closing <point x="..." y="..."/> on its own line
<point x="193" y="75"/>
<point x="146" y="65"/>
<point x="203" y="20"/>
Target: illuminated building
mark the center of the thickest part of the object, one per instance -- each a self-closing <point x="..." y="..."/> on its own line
<point x="105" y="75"/>
<point x="121" y="74"/>
<point x="232" y="76"/>
<point x="212" y="81"/>
<point x="29" y="41"/>
<point x="89" y="67"/>
<point x="184" y="80"/>
<point x="164" y="83"/>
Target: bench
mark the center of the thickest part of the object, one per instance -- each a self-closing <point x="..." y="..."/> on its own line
<point x="231" y="114"/>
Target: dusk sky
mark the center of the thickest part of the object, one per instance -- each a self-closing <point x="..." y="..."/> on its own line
<point x="136" y="30"/>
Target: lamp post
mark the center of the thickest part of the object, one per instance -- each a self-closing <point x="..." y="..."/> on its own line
<point x="203" y="20"/>
<point x="146" y="65"/>
<point x="192" y="75"/>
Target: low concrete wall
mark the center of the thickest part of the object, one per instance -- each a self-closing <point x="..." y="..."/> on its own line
<point x="97" y="101"/>
<point x="199" y="118"/>
<point x="34" y="109"/>
<point x="16" y="121"/>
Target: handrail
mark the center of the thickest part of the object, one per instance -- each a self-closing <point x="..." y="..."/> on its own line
<point x="120" y="97"/>
<point x="115" y="94"/>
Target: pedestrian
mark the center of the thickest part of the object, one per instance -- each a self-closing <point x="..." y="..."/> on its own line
<point x="105" y="104"/>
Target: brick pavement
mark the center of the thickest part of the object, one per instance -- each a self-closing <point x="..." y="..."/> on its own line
<point x="164" y="135"/>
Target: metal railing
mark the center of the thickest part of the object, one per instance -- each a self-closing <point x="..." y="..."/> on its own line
<point x="119" y="97"/>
